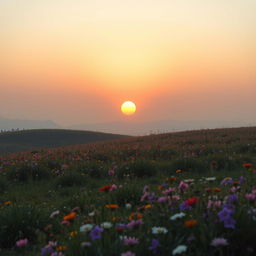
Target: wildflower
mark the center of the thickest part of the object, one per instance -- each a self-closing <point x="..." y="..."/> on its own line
<point x="154" y="246"/>
<point x="85" y="244"/>
<point x="178" y="216"/>
<point x="162" y="199"/>
<point x="171" y="178"/>
<point x="120" y="227"/>
<point x="184" y="206"/>
<point x="247" y="165"/>
<point x="55" y="213"/>
<point x="128" y="206"/>
<point x="210" y="179"/>
<point x="192" y="201"/>
<point x="179" y="249"/>
<point x="183" y="186"/>
<point x="134" y="224"/>
<point x="135" y="216"/>
<point x="105" y="188"/>
<point x="113" y="187"/>
<point x="129" y="253"/>
<point x="159" y="230"/>
<point x="227" y="181"/>
<point x="179" y="171"/>
<point x="111" y="172"/>
<point x="70" y="216"/>
<point x="22" y="242"/>
<point x="96" y="233"/>
<point x="232" y="198"/>
<point x="112" y="206"/>
<point x="65" y="223"/>
<point x="130" y="240"/>
<point x="73" y="233"/>
<point x="86" y="227"/>
<point x="61" y="248"/>
<point x="168" y="191"/>
<point x="225" y="216"/>
<point x="91" y="214"/>
<point x="219" y="242"/>
<point x="8" y="203"/>
<point x="190" y="223"/>
<point x="106" y="225"/>
<point x="241" y="180"/>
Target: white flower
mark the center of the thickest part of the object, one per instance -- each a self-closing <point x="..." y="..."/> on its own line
<point x="159" y="230"/>
<point x="128" y="206"/>
<point x="106" y="225"/>
<point x="210" y="179"/>
<point x="179" y="249"/>
<point x="55" y="213"/>
<point x="91" y="214"/>
<point x="86" y="227"/>
<point x="177" y="216"/>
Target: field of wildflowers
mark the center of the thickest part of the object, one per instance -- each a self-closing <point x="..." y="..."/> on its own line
<point x="190" y="193"/>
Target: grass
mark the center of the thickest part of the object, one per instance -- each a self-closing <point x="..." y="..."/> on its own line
<point x="151" y="179"/>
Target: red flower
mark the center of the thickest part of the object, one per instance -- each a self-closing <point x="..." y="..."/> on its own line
<point x="247" y="165"/>
<point x="192" y="201"/>
<point x="105" y="188"/>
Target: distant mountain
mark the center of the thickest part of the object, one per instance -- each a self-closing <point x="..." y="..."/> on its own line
<point x="26" y="140"/>
<point x="9" y="124"/>
<point x="145" y="128"/>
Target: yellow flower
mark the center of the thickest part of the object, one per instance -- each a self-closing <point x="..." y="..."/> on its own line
<point x="61" y="248"/>
<point x="73" y="233"/>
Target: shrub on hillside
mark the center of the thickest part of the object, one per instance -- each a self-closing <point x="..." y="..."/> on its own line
<point x="70" y="179"/>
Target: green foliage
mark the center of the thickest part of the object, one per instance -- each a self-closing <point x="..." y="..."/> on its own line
<point x="189" y="165"/>
<point x="70" y="179"/>
<point x="19" y="222"/>
<point x="138" y="169"/>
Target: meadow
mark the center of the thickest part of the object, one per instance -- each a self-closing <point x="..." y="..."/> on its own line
<point x="184" y="193"/>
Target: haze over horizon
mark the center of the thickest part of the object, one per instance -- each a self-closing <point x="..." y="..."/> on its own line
<point x="75" y="62"/>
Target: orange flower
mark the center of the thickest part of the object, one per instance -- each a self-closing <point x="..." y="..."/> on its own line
<point x="171" y="179"/>
<point x="70" y="216"/>
<point x="135" y="216"/>
<point x="61" y="248"/>
<point x="190" y="223"/>
<point x="216" y="189"/>
<point x="73" y="233"/>
<point x="112" y="206"/>
<point x="7" y="203"/>
<point x="179" y="171"/>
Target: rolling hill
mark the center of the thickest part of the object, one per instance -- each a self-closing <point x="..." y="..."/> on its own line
<point x="18" y="141"/>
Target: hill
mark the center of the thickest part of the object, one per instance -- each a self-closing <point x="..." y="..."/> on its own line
<point x="18" y="141"/>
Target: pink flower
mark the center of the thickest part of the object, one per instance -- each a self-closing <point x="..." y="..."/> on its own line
<point x="135" y="224"/>
<point x="22" y="242"/>
<point x="111" y="172"/>
<point x="113" y="187"/>
<point x="168" y="191"/>
<point x="129" y="253"/>
<point x="65" y="223"/>
<point x="183" y="186"/>
<point x="220" y="241"/>
<point x="162" y="199"/>
<point x="130" y="240"/>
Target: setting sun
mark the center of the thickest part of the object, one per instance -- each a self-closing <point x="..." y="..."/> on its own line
<point x="128" y="108"/>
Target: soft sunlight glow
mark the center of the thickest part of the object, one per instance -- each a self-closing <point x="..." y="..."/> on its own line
<point x="128" y="108"/>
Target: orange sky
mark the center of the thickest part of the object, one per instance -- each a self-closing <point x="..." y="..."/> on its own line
<point x="77" y="61"/>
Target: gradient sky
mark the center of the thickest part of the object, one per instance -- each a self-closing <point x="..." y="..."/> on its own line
<point x="76" y="61"/>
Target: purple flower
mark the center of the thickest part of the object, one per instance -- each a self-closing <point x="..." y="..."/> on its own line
<point x="134" y="224"/>
<point x="225" y="216"/>
<point x="96" y="233"/>
<point x="184" y="206"/>
<point x="226" y="181"/>
<point x="154" y="246"/>
<point x="130" y="240"/>
<point x="47" y="251"/>
<point x="232" y="198"/>
<point x="220" y="241"/>
<point x="241" y="180"/>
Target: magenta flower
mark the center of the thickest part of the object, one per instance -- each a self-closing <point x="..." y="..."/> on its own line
<point x="111" y="172"/>
<point x="183" y="186"/>
<point x="22" y="242"/>
<point x="130" y="240"/>
<point x="134" y="224"/>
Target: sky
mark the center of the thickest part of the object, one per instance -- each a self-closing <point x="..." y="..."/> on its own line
<point x="76" y="61"/>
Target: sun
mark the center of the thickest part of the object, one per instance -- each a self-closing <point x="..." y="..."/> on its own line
<point x="128" y="108"/>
